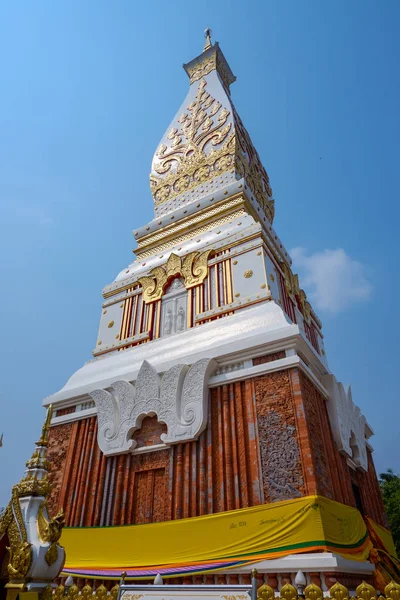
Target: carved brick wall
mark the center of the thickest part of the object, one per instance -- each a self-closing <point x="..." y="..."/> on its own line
<point x="261" y="360"/>
<point x="297" y="450"/>
<point x="56" y="454"/>
<point x="150" y="432"/>
<point x="314" y="404"/>
<point x="267" y="439"/>
<point x="219" y="471"/>
<point x="371" y="497"/>
<point x="278" y="436"/>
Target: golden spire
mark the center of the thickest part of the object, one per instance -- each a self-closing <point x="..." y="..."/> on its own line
<point x="44" y="438"/>
<point x="35" y="481"/>
<point x="207" y="35"/>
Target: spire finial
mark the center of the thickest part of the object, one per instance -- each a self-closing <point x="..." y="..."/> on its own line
<point x="44" y="438"/>
<point x="207" y="35"/>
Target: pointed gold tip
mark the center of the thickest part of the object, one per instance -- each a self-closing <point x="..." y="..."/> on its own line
<point x="44" y="438"/>
<point x="207" y="35"/>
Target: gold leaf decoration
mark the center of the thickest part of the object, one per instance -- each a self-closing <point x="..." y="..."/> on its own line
<point x="47" y="593"/>
<point x="86" y="592"/>
<point x="199" y="270"/>
<point x="188" y="147"/>
<point x="49" y="530"/>
<point x="73" y="592"/>
<point x="392" y="591"/>
<point x="150" y="291"/>
<point x="288" y="592"/>
<point x="173" y="265"/>
<point x="211" y="140"/>
<point x="265" y="592"/>
<point x="339" y="592"/>
<point x="366" y="591"/>
<point x="313" y="592"/>
<point x="59" y="592"/>
<point x="114" y="592"/>
<point x="293" y="289"/>
<point x="193" y="269"/>
<point x="100" y="593"/>
<point x="51" y="554"/>
<point x="20" y="560"/>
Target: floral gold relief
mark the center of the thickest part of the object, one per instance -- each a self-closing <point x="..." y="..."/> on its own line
<point x="188" y="159"/>
<point x="207" y="141"/>
<point x="193" y="268"/>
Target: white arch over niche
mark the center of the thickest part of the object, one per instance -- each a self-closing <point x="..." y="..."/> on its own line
<point x="179" y="398"/>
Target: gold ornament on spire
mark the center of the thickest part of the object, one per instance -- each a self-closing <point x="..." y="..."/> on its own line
<point x="35" y="483"/>
<point x="44" y="438"/>
<point x="206" y="144"/>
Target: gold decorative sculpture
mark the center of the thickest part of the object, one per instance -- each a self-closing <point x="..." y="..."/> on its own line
<point x="26" y="549"/>
<point x="288" y="592"/>
<point x="265" y="592"/>
<point x="193" y="268"/>
<point x="313" y="592"/>
<point x="293" y="289"/>
<point x="339" y="592"/>
<point x="365" y="591"/>
<point x="392" y="591"/>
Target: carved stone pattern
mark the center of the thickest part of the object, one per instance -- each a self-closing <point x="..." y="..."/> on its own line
<point x="149" y="433"/>
<point x="311" y="400"/>
<point x="59" y="438"/>
<point x="280" y="457"/>
<point x="179" y="399"/>
<point x="278" y="438"/>
<point x="261" y="360"/>
<point x="65" y="411"/>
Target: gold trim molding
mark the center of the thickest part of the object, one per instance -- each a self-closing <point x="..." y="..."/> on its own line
<point x="174" y="241"/>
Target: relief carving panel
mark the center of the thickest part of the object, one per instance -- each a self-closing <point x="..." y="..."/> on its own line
<point x="280" y="457"/>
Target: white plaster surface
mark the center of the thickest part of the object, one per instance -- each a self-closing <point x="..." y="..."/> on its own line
<point x="248" y="328"/>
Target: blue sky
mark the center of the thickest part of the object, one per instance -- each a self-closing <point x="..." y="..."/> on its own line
<point x="88" y="88"/>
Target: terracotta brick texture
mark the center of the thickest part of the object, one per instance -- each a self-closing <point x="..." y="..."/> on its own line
<point x="150" y="432"/>
<point x="220" y="471"/>
<point x="261" y="360"/>
<point x="267" y="439"/>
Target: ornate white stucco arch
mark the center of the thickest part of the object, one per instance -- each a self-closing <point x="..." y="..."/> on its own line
<point x="179" y="398"/>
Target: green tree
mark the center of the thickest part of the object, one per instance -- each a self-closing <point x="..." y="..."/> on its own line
<point x="390" y="488"/>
